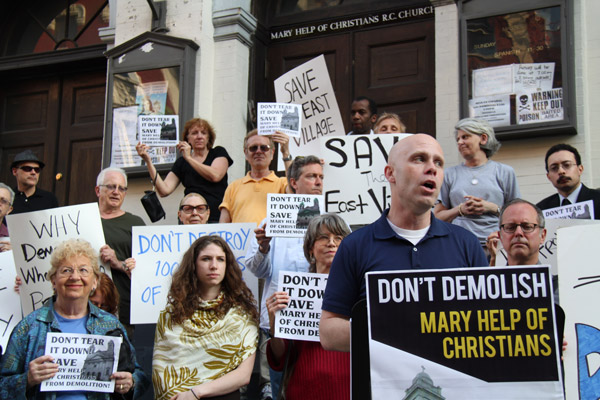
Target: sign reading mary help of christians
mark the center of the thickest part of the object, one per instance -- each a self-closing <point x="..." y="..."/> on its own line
<point x="479" y="333"/>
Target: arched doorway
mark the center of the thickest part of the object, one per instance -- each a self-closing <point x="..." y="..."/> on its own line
<point x="52" y="91"/>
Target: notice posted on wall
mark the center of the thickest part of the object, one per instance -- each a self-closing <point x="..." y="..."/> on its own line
<point x="124" y="138"/>
<point x="300" y="320"/>
<point x="540" y="106"/>
<point x="530" y="77"/>
<point x="581" y="210"/>
<point x="85" y="362"/>
<point x="288" y="215"/>
<point x="282" y="117"/>
<point x="493" y="109"/>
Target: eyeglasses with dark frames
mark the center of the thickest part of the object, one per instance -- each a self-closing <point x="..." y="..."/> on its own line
<point x="526" y="227"/>
<point x="188" y="209"/>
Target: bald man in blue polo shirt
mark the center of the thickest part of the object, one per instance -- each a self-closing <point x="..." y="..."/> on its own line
<point x="406" y="236"/>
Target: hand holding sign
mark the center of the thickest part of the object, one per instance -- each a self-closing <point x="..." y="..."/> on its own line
<point x="278" y="301"/>
<point x="40" y="369"/>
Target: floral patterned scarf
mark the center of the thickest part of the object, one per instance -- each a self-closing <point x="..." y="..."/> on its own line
<point x="201" y="349"/>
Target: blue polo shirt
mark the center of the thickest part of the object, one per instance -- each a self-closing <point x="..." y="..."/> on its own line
<point x="376" y="247"/>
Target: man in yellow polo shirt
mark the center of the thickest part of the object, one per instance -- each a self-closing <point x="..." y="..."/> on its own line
<point x="245" y="199"/>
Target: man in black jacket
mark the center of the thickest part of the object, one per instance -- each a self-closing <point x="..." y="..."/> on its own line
<point x="564" y="169"/>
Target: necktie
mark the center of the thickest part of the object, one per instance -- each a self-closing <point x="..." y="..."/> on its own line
<point x="565" y="202"/>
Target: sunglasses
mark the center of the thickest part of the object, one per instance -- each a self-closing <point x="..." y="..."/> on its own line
<point x="28" y="168"/>
<point x="263" y="147"/>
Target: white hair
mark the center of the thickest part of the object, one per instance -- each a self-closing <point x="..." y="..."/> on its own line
<point x="102" y="174"/>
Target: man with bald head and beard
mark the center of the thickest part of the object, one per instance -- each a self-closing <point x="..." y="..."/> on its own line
<point x="407" y="236"/>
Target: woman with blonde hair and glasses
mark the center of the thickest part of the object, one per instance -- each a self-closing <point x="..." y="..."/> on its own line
<point x="25" y="365"/>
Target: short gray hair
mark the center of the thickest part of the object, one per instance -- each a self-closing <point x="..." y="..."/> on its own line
<point x="541" y="221"/>
<point x="298" y="165"/>
<point x="334" y="224"/>
<point x="102" y="174"/>
<point x="479" y="127"/>
<point x="10" y="192"/>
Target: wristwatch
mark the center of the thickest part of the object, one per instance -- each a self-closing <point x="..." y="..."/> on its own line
<point x="288" y="158"/>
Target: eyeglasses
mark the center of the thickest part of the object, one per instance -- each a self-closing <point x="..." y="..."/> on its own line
<point x="201" y="209"/>
<point x="263" y="147"/>
<point x="84" y="271"/>
<point x="29" y="168"/>
<point x="566" y="165"/>
<point x="112" y="188"/>
<point x="526" y="227"/>
<point x="4" y="202"/>
<point x="337" y="239"/>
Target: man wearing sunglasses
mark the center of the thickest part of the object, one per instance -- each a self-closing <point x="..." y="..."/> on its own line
<point x="26" y="168"/>
<point x="245" y="199"/>
<point x="564" y="169"/>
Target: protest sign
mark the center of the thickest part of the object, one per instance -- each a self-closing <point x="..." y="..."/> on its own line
<point x="85" y="362"/>
<point x="493" y="109"/>
<point x="540" y="106"/>
<point x="281" y="117"/>
<point x="479" y="333"/>
<point x="579" y="297"/>
<point x="288" y="215"/>
<point x="161" y="133"/>
<point x="356" y="187"/>
<point x="10" y="309"/>
<point x="310" y="86"/>
<point x="300" y="319"/>
<point x="158" y="250"/>
<point x="582" y="210"/>
<point x="35" y="234"/>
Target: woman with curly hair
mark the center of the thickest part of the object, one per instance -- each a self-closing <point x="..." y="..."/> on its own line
<point x="206" y="337"/>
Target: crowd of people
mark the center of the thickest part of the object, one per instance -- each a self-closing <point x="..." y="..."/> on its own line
<point x="212" y="329"/>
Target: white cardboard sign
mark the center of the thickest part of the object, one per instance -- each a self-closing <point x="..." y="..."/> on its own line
<point x="582" y="210"/>
<point x="355" y="183"/>
<point x="158" y="250"/>
<point x="10" y="303"/>
<point x="34" y="235"/>
<point x="309" y="85"/>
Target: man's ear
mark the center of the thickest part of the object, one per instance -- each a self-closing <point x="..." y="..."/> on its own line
<point x="389" y="174"/>
<point x="543" y="234"/>
<point x="373" y="118"/>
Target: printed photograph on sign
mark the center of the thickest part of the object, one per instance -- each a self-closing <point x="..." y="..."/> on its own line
<point x="124" y="138"/>
<point x="478" y="333"/>
<point x="85" y="362"/>
<point x="309" y="86"/>
<point x="282" y="117"/>
<point x="581" y="210"/>
<point x="300" y="319"/>
<point x="288" y="215"/>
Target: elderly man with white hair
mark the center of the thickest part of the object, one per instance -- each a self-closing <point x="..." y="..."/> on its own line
<point x="7" y="196"/>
